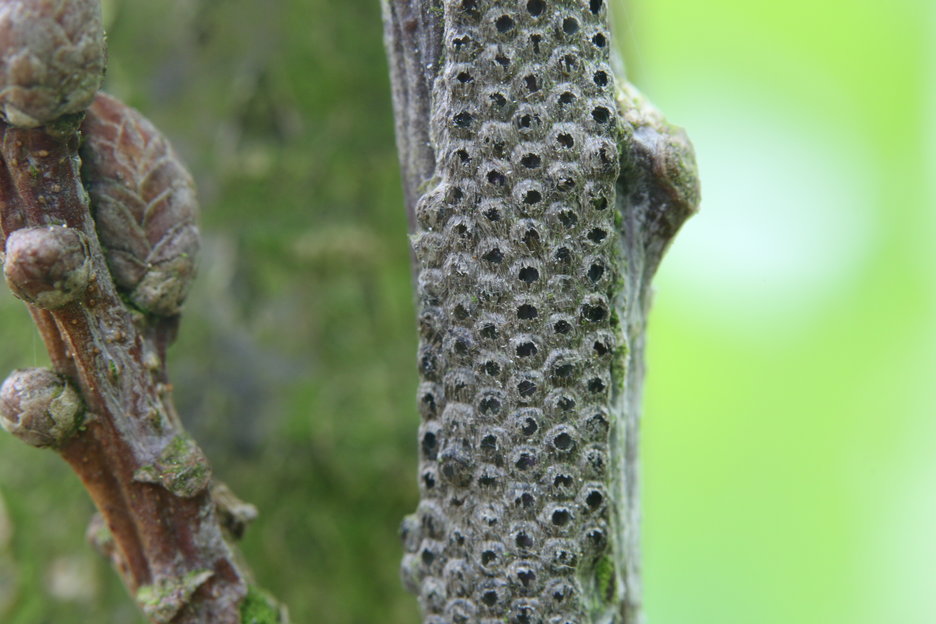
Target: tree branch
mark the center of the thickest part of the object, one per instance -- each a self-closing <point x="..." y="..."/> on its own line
<point x="542" y="197"/>
<point x="105" y="296"/>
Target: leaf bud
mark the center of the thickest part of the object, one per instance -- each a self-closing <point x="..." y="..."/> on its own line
<point x="53" y="59"/>
<point x="39" y="407"/>
<point x="48" y="267"/>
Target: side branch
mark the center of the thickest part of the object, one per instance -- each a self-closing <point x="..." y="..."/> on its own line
<point x="105" y="292"/>
<point x="413" y="37"/>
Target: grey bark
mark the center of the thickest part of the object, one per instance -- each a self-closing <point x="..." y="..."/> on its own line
<point x="542" y="193"/>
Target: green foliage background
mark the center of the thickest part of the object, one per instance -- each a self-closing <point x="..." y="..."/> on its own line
<point x="789" y="428"/>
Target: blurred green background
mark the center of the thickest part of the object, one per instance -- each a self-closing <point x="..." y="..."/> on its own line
<point x="790" y="422"/>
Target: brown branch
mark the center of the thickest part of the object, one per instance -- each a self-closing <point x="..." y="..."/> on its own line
<point x="105" y="297"/>
<point x="164" y="538"/>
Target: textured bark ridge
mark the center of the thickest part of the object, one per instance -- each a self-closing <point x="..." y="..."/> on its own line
<point x="543" y="195"/>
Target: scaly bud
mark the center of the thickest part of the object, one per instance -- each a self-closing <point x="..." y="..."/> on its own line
<point x="53" y="59"/>
<point x="143" y="201"/>
<point x="48" y="267"/>
<point x="39" y="407"/>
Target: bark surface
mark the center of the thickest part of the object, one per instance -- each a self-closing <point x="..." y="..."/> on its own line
<point x="542" y="192"/>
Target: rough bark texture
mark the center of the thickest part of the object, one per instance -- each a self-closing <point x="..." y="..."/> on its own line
<point x="543" y="193"/>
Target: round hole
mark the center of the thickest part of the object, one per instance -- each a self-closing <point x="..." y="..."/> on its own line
<point x="564" y="370"/>
<point x="597" y="235"/>
<point x="594" y="499"/>
<point x="536" y="7"/>
<point x="489" y="405"/>
<point x="494" y="256"/>
<point x="526" y="577"/>
<point x="561" y="517"/>
<point x="429" y="445"/>
<point x="526" y="388"/>
<point x="563" y="441"/>
<point x="562" y="481"/>
<point x="462" y="119"/>
<point x="594" y="314"/>
<point x="528" y="275"/>
<point x="525" y="461"/>
<point x="601" y="114"/>
<point x="504" y="23"/>
<point x="595" y="272"/>
<point x="526" y="312"/>
<point x="496" y="178"/>
<point x="523" y="540"/>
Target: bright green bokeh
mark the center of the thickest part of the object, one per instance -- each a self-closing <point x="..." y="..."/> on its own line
<point x="789" y="424"/>
<point x="789" y="475"/>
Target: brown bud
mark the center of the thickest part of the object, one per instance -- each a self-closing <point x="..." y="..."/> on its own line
<point x="39" y="407"/>
<point x="47" y="266"/>
<point x="143" y="201"/>
<point x="53" y="58"/>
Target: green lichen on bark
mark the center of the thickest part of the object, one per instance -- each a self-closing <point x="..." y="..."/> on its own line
<point x="258" y="607"/>
<point x="604" y="577"/>
<point x="163" y="600"/>
<point x="181" y="468"/>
